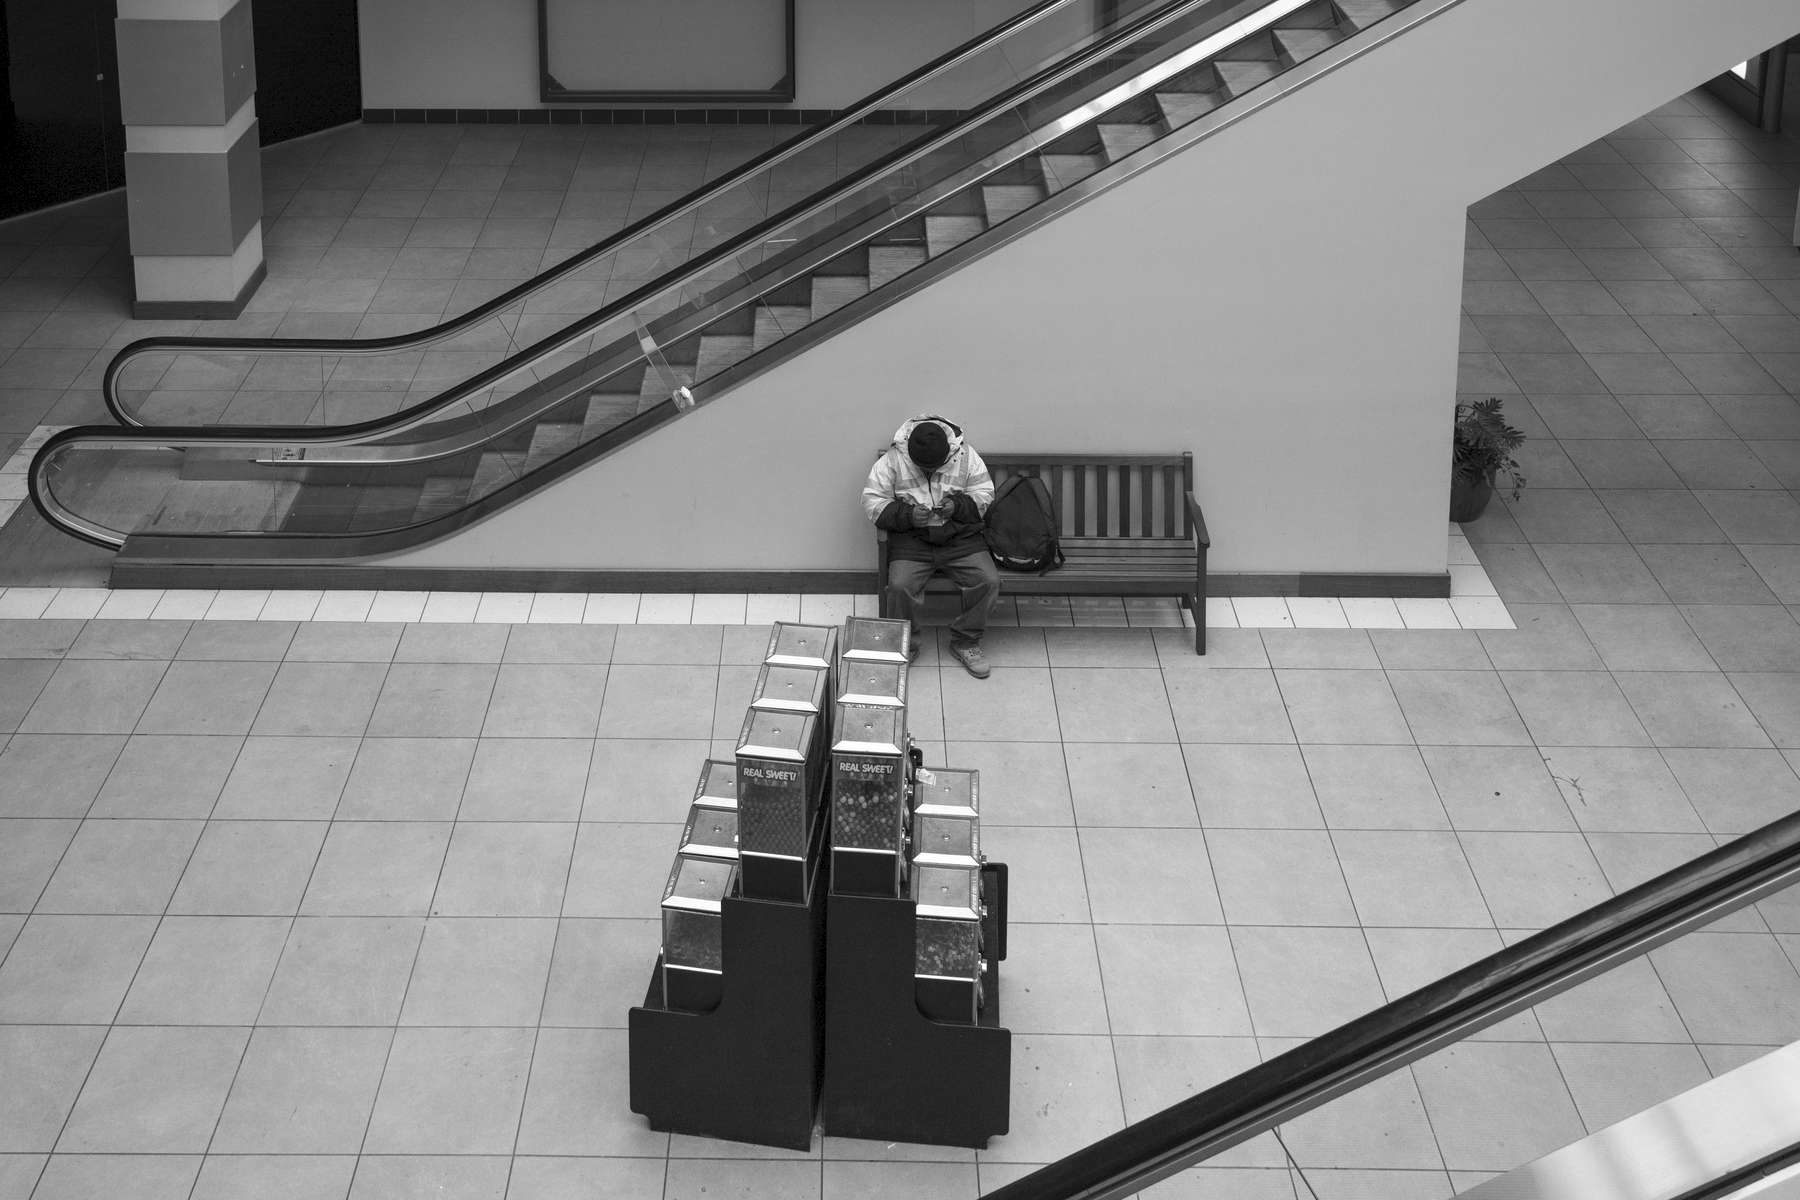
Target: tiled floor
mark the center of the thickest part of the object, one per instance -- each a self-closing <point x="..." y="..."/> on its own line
<point x="1478" y="607"/>
<point x="320" y="904"/>
<point x="376" y="230"/>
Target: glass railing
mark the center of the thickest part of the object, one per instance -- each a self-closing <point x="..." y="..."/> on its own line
<point x="347" y="381"/>
<point x="657" y="347"/>
<point x="1499" y="1063"/>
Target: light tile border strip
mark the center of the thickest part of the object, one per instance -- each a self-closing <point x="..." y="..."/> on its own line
<point x="621" y="608"/>
<point x="1473" y="602"/>
<point x="679" y="608"/>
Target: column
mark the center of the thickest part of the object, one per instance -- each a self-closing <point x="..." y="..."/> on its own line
<point x="193" y="171"/>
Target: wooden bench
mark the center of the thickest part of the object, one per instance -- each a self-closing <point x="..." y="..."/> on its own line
<point x="1130" y="527"/>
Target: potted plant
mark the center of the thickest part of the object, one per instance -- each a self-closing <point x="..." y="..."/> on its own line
<point x="1482" y="447"/>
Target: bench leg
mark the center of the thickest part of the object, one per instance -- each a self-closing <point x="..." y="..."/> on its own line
<point x="1199" y="599"/>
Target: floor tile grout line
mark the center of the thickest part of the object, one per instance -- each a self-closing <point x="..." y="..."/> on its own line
<point x="143" y="956"/>
<point x="1362" y="925"/>
<point x="1086" y="896"/>
<point x="218" y="598"/>
<point x="544" y="995"/>
<point x="1456" y="833"/>
<point x="1699" y="818"/>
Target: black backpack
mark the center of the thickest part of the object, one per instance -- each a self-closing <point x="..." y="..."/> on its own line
<point x="1022" y="526"/>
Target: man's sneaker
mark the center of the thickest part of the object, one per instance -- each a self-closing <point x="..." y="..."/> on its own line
<point x="972" y="657"/>
<point x="913" y="645"/>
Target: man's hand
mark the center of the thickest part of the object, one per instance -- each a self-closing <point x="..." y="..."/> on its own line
<point x="946" y="508"/>
<point x="921" y="515"/>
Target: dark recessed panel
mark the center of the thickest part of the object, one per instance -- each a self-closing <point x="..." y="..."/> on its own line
<point x="625" y="51"/>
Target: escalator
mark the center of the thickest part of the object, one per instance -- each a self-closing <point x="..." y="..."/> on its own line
<point x="718" y="288"/>
<point x="1737" y="1136"/>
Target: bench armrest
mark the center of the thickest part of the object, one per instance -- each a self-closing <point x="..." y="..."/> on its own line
<point x="1202" y="543"/>
<point x="1198" y="520"/>
<point x="881" y="573"/>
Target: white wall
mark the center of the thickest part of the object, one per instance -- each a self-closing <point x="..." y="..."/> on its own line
<point x="847" y="48"/>
<point x="688" y="44"/>
<point x="1281" y="299"/>
<point x="483" y="53"/>
<point x="448" y="53"/>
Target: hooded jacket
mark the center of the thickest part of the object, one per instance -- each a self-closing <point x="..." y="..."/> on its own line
<point x="897" y="483"/>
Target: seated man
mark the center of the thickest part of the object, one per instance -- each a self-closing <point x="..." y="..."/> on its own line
<point x="930" y="491"/>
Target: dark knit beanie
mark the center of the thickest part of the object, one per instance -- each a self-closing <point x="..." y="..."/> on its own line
<point x="928" y="446"/>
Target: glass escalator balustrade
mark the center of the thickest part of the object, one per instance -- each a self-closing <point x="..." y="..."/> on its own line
<point x="337" y="381"/>
<point x="450" y="425"/>
<point x="1645" y="1048"/>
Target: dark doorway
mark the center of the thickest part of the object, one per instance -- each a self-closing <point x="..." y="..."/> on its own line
<point x="308" y="71"/>
<point x="61" y="137"/>
<point x="60" y="134"/>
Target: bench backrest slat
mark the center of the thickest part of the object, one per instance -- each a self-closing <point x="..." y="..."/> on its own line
<point x="1094" y="496"/>
<point x="1124" y="477"/>
<point x="1097" y="485"/>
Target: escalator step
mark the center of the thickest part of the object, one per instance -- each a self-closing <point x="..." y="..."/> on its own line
<point x="552" y="439"/>
<point x="386" y="507"/>
<point x="1203" y="77"/>
<point x="1364" y="13"/>
<point x="1301" y="44"/>
<point x="316" y="521"/>
<point x="220" y="506"/>
<point x="1319" y="15"/>
<point x="620" y="391"/>
<point x="1258" y="47"/>
<point x="721" y="350"/>
<point x="1061" y="170"/>
<point x="1178" y="108"/>
<point x="656" y="389"/>
<point x="607" y="410"/>
<point x="776" y="321"/>
<point x="832" y="292"/>
<point x="1121" y="140"/>
<point x="1240" y="77"/>
<point x="324" y="505"/>
<point x="495" y="470"/>
<point x="1005" y="200"/>
<point x="888" y="263"/>
<point x="944" y="232"/>
<point x="441" y="494"/>
<point x="517" y="438"/>
<point x="127" y="484"/>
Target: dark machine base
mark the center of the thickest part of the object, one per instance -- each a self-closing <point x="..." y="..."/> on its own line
<point x="749" y="1069"/>
<point x="891" y="1074"/>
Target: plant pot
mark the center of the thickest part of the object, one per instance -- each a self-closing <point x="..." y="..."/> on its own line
<point x="1468" y="497"/>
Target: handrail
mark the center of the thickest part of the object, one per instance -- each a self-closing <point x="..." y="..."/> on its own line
<point x="1543" y="965"/>
<point x="698" y="268"/>
<point x="271" y="437"/>
<point x="238" y="437"/>
<point x="461" y="324"/>
<point x="427" y="410"/>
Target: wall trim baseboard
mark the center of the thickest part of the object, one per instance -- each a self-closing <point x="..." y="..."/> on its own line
<point x="129" y="572"/>
<point x="163" y="573"/>
<point x="1435" y="586"/>
<point x="650" y="116"/>
<point x="201" y="310"/>
<point x="1397" y="585"/>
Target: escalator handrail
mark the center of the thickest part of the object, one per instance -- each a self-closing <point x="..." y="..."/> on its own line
<point x="177" y="437"/>
<point x="240" y="436"/>
<point x="1438" y="1014"/>
<point x="466" y="321"/>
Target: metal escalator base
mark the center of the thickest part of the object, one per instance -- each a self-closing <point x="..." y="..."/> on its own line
<point x="1734" y="1136"/>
